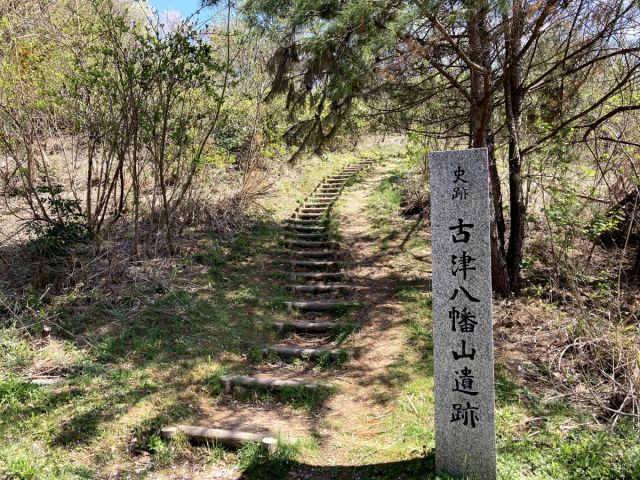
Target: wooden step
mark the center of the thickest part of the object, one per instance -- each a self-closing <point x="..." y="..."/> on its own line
<point x="289" y="351"/>
<point x="305" y="224"/>
<point x="325" y="206"/>
<point x="321" y="288"/>
<point x="317" y="264"/>
<point x="229" y="438"/>
<point x="307" y="228"/>
<point x="47" y="381"/>
<point x="327" y="197"/>
<point x="310" y="216"/>
<point x="307" y="236"/>
<point x="319" y="306"/>
<point x="306" y="327"/>
<point x="312" y="244"/>
<point x="303" y="221"/>
<point x="229" y="381"/>
<point x="328" y="190"/>
<point x="317" y="276"/>
<point x="312" y="253"/>
<point x="303" y="210"/>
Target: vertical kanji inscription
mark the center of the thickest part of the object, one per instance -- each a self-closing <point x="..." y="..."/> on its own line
<point x="463" y="333"/>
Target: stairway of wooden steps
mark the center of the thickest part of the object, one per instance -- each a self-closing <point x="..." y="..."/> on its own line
<point x="315" y="273"/>
<point x="310" y="252"/>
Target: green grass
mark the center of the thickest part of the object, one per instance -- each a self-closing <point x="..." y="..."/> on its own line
<point x="385" y="204"/>
<point x="536" y="439"/>
<point x="300" y="398"/>
<point x="260" y="465"/>
<point x="138" y="359"/>
<point x="146" y="353"/>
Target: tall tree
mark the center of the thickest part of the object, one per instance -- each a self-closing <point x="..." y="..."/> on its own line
<point x="474" y="66"/>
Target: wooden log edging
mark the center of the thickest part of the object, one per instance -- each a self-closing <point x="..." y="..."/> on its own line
<point x="322" y="288"/>
<point x="228" y="381"/>
<point x="316" y="276"/>
<point x="306" y="327"/>
<point x="312" y="253"/>
<point x="229" y="438"/>
<point x="320" y="306"/>
<point x="47" y="381"/>
<point x="289" y="351"/>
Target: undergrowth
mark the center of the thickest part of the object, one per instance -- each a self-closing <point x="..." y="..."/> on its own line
<point x="538" y="437"/>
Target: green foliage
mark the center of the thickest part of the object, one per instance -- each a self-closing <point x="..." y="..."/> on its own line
<point x="15" y="352"/>
<point x="65" y="226"/>
<point x="337" y="58"/>
<point x="22" y="468"/>
<point x="159" y="449"/>
<point x="605" y="222"/>
<point x="16" y="395"/>
<point x="213" y="383"/>
<point x="344" y="330"/>
<point x="563" y="213"/>
<point x="256" y="354"/>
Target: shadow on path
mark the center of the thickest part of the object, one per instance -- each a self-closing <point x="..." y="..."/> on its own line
<point x="416" y="468"/>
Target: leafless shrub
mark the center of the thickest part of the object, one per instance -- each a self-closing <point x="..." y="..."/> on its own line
<point x="604" y="354"/>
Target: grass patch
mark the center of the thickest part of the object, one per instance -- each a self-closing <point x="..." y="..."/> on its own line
<point x="300" y="398"/>
<point x="344" y="329"/>
<point x="147" y="352"/>
<point x="260" y="465"/>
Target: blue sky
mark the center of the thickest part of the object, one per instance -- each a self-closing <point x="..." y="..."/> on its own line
<point x="186" y="7"/>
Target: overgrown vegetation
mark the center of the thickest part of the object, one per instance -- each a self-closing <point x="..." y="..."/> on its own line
<point x="542" y="434"/>
<point x="145" y="165"/>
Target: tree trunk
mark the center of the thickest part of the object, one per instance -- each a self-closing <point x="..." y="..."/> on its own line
<point x="513" y="96"/>
<point x="481" y="111"/>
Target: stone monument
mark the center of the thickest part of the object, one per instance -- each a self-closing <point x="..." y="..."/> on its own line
<point x="462" y="328"/>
